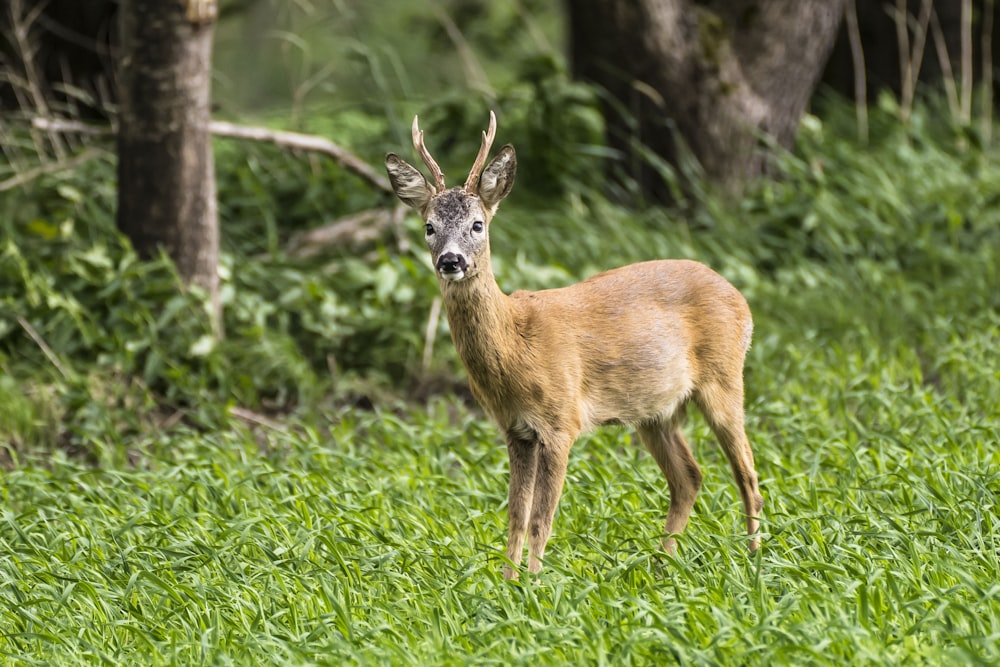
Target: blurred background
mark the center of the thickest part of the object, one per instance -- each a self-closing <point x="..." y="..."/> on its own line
<point x="843" y="146"/>
<point x="233" y="428"/>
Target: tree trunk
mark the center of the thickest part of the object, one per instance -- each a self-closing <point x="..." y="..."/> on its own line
<point x="166" y="175"/>
<point x="714" y="75"/>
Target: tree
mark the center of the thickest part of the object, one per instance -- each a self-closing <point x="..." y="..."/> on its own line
<point x="926" y="41"/>
<point x="166" y="176"/>
<point x="716" y="76"/>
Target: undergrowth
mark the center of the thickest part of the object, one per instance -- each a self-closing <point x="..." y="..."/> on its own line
<point x="144" y="520"/>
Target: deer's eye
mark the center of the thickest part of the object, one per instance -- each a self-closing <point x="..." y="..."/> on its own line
<point x="429" y="229"/>
<point x="477" y="226"/>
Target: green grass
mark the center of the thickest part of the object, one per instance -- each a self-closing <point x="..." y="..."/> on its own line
<point x="142" y="523"/>
<point x="377" y="539"/>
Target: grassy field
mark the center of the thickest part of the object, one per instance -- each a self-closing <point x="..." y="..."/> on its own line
<point x="334" y="535"/>
<point x="377" y="539"/>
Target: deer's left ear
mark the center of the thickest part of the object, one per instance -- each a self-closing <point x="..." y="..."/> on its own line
<point x="407" y="182"/>
<point x="498" y="178"/>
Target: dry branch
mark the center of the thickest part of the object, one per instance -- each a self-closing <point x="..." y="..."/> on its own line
<point x="354" y="231"/>
<point x="254" y="418"/>
<point x="43" y="346"/>
<point x="293" y="140"/>
<point x="306" y="142"/>
<point x="48" y="168"/>
<point x="986" y="126"/>
<point x="72" y="126"/>
<point x="21" y="26"/>
<point x="966" y="18"/>
<point x="430" y="334"/>
<point x="944" y="61"/>
<point x="858" y="60"/>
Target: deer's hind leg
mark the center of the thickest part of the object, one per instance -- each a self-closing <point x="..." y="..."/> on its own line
<point x="665" y="442"/>
<point x="722" y="405"/>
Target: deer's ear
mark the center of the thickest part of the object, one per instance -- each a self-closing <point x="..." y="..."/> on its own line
<point x="407" y="182"/>
<point x="498" y="178"/>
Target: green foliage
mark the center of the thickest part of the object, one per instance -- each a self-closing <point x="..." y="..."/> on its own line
<point x="266" y="194"/>
<point x="553" y="122"/>
<point x="368" y="55"/>
<point x="145" y="524"/>
<point x="101" y="313"/>
<point x="147" y="518"/>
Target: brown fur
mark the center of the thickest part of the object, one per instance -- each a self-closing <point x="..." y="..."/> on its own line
<point x="633" y="345"/>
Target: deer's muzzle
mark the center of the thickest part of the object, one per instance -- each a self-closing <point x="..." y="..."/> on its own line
<point x="452" y="266"/>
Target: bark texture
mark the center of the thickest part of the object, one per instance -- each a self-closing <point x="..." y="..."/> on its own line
<point x="166" y="174"/>
<point x="717" y="75"/>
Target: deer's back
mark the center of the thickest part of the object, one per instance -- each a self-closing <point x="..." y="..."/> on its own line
<point x="633" y="297"/>
<point x="635" y="341"/>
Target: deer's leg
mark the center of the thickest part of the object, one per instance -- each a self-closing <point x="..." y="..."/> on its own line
<point x="523" y="456"/>
<point x="550" y="473"/>
<point x="722" y="406"/>
<point x="672" y="453"/>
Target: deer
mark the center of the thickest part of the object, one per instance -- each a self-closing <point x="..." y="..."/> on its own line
<point x="631" y="346"/>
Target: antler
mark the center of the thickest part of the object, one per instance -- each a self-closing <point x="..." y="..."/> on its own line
<point x="484" y="151"/>
<point x="418" y="143"/>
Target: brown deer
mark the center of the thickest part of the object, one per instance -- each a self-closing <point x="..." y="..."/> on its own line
<point x="629" y="346"/>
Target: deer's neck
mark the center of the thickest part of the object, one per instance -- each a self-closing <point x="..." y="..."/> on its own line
<point x="482" y="326"/>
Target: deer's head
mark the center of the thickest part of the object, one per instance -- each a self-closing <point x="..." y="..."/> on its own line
<point x="456" y="221"/>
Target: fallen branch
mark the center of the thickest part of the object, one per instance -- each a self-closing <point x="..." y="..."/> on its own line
<point x="354" y="231"/>
<point x="219" y="128"/>
<point x="253" y="418"/>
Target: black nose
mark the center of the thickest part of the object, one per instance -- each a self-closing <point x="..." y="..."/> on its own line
<point x="451" y="263"/>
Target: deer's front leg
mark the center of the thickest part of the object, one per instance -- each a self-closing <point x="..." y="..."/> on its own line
<point x="523" y="455"/>
<point x="550" y="473"/>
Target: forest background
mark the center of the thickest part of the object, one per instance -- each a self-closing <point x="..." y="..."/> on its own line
<point x="316" y="486"/>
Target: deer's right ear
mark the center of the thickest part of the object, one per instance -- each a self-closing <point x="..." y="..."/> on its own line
<point x="407" y="182"/>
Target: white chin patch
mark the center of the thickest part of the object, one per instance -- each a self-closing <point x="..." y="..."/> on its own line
<point x="458" y="275"/>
